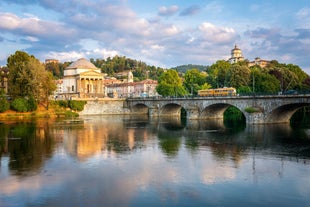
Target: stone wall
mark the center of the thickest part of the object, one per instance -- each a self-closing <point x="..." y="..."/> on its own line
<point x="105" y="106"/>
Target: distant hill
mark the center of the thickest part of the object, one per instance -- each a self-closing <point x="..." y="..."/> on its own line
<point x="184" y="68"/>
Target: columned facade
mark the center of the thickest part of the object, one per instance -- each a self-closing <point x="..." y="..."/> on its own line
<point x="83" y="80"/>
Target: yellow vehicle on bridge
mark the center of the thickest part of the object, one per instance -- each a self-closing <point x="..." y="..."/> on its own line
<point x="218" y="92"/>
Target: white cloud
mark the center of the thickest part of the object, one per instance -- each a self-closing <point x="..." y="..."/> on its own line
<point x="168" y="11"/>
<point x="217" y="34"/>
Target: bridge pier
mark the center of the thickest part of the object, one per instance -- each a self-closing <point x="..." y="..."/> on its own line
<point x="192" y="113"/>
<point x="254" y="118"/>
<point x="154" y="112"/>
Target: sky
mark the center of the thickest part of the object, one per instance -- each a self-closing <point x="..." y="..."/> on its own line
<point x="163" y="33"/>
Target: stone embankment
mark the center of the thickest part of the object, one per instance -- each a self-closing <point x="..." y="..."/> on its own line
<point x="104" y="106"/>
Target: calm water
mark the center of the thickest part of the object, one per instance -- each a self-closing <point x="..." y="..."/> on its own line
<point x="134" y="161"/>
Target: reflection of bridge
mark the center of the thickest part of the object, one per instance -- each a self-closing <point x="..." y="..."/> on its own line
<point x="256" y="109"/>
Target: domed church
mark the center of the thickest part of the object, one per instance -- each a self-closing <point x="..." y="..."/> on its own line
<point x="236" y="55"/>
<point x="83" y="79"/>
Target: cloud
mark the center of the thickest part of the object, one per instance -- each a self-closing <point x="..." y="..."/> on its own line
<point x="216" y="34"/>
<point x="168" y="11"/>
<point x="192" y="10"/>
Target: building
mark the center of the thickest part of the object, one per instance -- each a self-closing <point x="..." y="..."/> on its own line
<point x="259" y="62"/>
<point x="48" y="61"/>
<point x="83" y="79"/>
<point x="128" y="88"/>
<point x="236" y="55"/>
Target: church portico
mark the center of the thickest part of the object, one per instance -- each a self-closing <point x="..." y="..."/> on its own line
<point x="84" y="80"/>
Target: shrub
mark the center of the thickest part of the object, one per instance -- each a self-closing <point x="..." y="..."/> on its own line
<point x="20" y="105"/>
<point x="252" y="110"/>
<point x="4" y="104"/>
<point x="62" y="103"/>
<point x="71" y="114"/>
<point x="32" y="104"/>
<point x="76" y="105"/>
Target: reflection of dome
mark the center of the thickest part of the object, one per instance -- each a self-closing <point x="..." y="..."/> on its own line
<point x="82" y="63"/>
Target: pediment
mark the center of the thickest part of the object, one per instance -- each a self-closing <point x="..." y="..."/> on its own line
<point x="91" y="73"/>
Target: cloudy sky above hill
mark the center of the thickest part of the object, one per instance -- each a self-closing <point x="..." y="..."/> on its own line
<point x="164" y="33"/>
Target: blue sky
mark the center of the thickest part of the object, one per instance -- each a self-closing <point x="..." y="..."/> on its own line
<point x="164" y="33"/>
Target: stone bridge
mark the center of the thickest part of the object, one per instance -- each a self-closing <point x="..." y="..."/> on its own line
<point x="256" y="109"/>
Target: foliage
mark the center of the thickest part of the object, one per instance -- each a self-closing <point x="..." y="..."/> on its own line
<point x="252" y="110"/>
<point x="4" y="104"/>
<point x="239" y="76"/>
<point x="32" y="104"/>
<point x="72" y="104"/>
<point x="194" y="80"/>
<point x="20" y="105"/>
<point x="218" y="74"/>
<point x="232" y="113"/>
<point x="28" y="77"/>
<point x="48" y="86"/>
<point x="170" y="84"/>
<point x="140" y="70"/>
<point x="62" y="103"/>
<point x="76" y="105"/>
<point x="185" y="68"/>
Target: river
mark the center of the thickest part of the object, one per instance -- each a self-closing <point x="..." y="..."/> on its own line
<point x="137" y="161"/>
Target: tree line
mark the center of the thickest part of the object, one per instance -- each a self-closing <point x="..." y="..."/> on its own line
<point x="274" y="78"/>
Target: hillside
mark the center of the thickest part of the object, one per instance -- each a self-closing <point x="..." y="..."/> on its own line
<point x="184" y="68"/>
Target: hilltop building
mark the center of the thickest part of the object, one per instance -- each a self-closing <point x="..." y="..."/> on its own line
<point x="236" y="56"/>
<point x="47" y="61"/>
<point x="259" y="62"/>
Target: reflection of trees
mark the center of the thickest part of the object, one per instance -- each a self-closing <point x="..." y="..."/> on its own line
<point x="29" y="144"/>
<point x="170" y="132"/>
<point x="4" y="130"/>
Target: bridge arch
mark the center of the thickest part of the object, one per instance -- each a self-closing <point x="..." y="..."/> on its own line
<point x="139" y="109"/>
<point x="284" y="113"/>
<point x="216" y="111"/>
<point x="170" y="109"/>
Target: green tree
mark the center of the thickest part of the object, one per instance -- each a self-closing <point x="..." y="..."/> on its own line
<point x="263" y="82"/>
<point x="28" y="77"/>
<point x="4" y="104"/>
<point x="47" y="88"/>
<point x="218" y="73"/>
<point x="194" y="80"/>
<point x="170" y="84"/>
<point x="239" y="76"/>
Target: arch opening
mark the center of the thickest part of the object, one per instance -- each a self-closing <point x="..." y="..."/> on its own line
<point x="140" y="109"/>
<point x="175" y="110"/>
<point x="283" y="114"/>
<point x="226" y="112"/>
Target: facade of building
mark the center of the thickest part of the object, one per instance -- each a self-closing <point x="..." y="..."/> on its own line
<point x="236" y="55"/>
<point x="83" y="79"/>
<point x="129" y="88"/>
<point x="48" y="61"/>
<point x="259" y="62"/>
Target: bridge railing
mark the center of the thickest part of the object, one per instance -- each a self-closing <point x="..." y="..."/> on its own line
<point x="256" y="94"/>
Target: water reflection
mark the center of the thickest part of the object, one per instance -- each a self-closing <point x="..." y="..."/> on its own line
<point x="165" y="162"/>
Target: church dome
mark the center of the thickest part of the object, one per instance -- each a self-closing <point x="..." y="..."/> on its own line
<point x="82" y="63"/>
